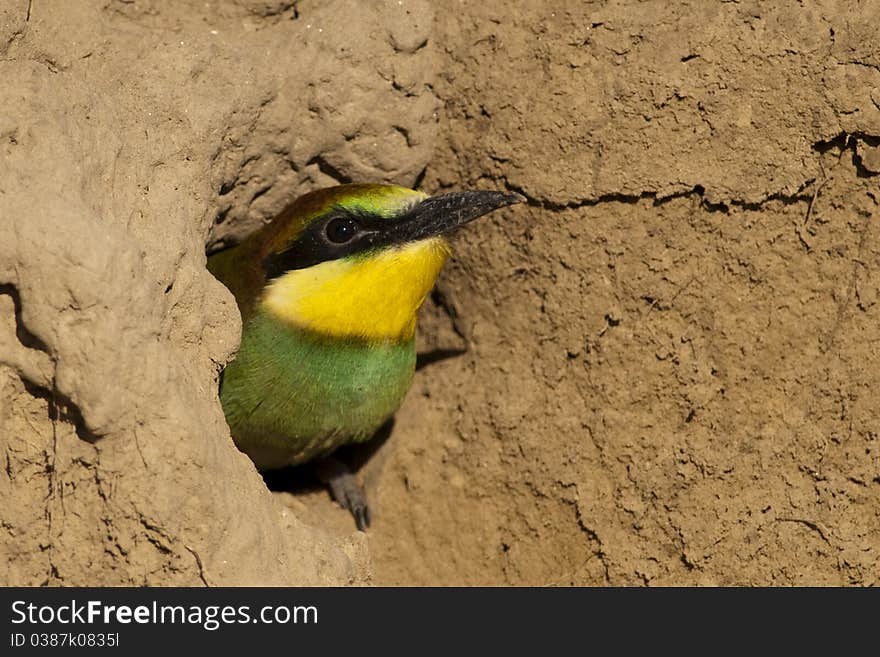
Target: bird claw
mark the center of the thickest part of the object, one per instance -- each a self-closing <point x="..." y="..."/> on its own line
<point x="361" y="513"/>
<point x="347" y="492"/>
<point x="349" y="495"/>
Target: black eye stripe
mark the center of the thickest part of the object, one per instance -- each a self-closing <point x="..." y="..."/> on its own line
<point x="316" y="244"/>
<point x="425" y="218"/>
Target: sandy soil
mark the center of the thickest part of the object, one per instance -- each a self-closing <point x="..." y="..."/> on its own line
<point x="673" y="355"/>
<point x="673" y="350"/>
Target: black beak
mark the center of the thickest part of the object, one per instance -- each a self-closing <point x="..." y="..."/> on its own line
<point x="441" y="214"/>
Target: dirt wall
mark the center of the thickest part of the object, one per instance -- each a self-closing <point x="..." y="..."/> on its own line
<point x="672" y="349"/>
<point x="675" y="349"/>
<point x="133" y="134"/>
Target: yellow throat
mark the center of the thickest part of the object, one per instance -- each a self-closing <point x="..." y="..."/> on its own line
<point x="374" y="296"/>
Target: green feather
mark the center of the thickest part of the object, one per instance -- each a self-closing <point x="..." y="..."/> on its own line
<point x="291" y="395"/>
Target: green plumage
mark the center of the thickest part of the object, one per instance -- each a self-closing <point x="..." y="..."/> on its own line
<point x="290" y="396"/>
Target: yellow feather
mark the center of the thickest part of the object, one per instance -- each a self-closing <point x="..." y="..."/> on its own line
<point x="374" y="297"/>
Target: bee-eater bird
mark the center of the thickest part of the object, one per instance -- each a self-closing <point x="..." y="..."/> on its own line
<point x="329" y="293"/>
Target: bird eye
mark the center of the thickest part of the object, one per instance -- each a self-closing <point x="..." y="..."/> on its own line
<point x="341" y="230"/>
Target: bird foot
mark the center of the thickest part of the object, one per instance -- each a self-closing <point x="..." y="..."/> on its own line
<point x="345" y="489"/>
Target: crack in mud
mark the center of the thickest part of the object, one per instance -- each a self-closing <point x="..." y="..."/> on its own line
<point x="60" y="405"/>
<point x="844" y="141"/>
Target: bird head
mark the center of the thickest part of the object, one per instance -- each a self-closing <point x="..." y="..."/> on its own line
<point x="357" y="261"/>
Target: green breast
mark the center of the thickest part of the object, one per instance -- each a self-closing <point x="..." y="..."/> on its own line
<point x="291" y="395"/>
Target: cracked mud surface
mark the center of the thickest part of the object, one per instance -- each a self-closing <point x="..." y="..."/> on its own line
<point x="673" y="349"/>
